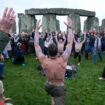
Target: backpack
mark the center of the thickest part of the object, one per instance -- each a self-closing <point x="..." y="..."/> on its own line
<point x="71" y="71"/>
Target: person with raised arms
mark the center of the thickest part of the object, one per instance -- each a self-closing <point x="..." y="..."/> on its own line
<point x="78" y="47"/>
<point x="54" y="66"/>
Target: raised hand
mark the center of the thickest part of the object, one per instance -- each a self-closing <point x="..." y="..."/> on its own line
<point x="36" y="39"/>
<point x="70" y="31"/>
<point x="7" y="20"/>
<point x="38" y="26"/>
<point x="69" y="23"/>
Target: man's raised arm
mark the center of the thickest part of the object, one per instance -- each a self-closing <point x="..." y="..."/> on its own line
<point x="70" y="39"/>
<point x="38" y="50"/>
<point x="6" y="23"/>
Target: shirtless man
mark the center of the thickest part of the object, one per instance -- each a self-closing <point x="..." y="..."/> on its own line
<point x="55" y="74"/>
<point x="61" y="39"/>
<point x="78" y="46"/>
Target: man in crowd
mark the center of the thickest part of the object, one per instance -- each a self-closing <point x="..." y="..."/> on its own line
<point x="61" y="39"/>
<point x="78" y="47"/>
<point x="55" y="74"/>
<point x="18" y="56"/>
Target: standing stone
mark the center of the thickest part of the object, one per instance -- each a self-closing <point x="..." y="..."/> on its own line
<point x="76" y="22"/>
<point x="103" y="25"/>
<point x="49" y="23"/>
<point x="14" y="28"/>
<point x="26" y="22"/>
<point x="91" y="22"/>
<point x="57" y="25"/>
<point x="85" y="26"/>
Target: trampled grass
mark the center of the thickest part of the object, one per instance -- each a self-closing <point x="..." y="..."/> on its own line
<point x="25" y="84"/>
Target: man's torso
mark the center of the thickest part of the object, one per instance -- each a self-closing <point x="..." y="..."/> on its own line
<point x="54" y="69"/>
<point x="78" y="47"/>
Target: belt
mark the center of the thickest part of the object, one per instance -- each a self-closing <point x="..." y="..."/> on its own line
<point x="50" y="83"/>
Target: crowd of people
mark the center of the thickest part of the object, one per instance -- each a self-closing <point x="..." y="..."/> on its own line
<point x="51" y="48"/>
<point x="86" y="42"/>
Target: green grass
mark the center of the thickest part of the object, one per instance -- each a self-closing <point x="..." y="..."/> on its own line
<point x="25" y="84"/>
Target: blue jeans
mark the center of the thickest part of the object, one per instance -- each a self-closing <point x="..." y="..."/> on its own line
<point x="1" y="70"/>
<point x="92" y="49"/>
<point x="95" y="53"/>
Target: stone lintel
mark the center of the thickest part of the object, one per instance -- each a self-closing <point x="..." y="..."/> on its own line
<point x="59" y="11"/>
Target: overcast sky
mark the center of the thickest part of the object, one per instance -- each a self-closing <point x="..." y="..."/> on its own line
<point x="20" y="5"/>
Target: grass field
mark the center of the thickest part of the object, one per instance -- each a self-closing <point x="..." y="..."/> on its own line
<point x="25" y="84"/>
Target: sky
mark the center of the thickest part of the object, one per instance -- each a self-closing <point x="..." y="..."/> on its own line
<point x="20" y="5"/>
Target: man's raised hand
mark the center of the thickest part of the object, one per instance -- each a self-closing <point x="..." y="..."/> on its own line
<point x="38" y="26"/>
<point x="70" y="31"/>
<point x="7" y="20"/>
<point x="69" y="22"/>
<point x="36" y="39"/>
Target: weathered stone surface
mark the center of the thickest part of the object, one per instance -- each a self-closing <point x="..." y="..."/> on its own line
<point x="100" y="29"/>
<point x="76" y="22"/>
<point x="49" y="23"/>
<point x="59" y="11"/>
<point x="103" y="25"/>
<point x="26" y="22"/>
<point x="82" y="12"/>
<point x="14" y="28"/>
<point x="57" y="25"/>
<point x="91" y="22"/>
<point x="85" y="26"/>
